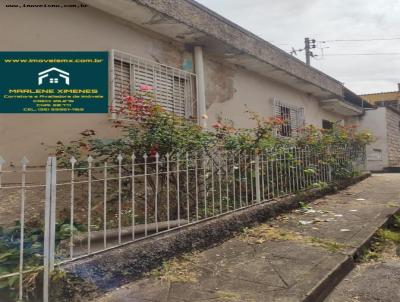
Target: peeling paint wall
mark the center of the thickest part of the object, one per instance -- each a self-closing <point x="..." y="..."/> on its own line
<point x="233" y="90"/>
<point x="220" y="84"/>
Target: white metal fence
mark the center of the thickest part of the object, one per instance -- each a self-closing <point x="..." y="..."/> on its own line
<point x="85" y="207"/>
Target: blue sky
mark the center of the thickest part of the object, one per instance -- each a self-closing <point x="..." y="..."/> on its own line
<point x="285" y="23"/>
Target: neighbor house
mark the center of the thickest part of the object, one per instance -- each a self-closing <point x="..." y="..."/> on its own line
<point x="384" y="122"/>
<point x="384" y="99"/>
<point x="199" y="63"/>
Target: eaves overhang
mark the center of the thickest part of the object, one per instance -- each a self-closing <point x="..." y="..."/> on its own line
<point x="191" y="23"/>
<point x="341" y="107"/>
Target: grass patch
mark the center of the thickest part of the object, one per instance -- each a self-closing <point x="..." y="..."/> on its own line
<point x="228" y="296"/>
<point x="264" y="233"/>
<point x="380" y="248"/>
<point x="390" y="235"/>
<point x="385" y="243"/>
<point x="371" y="255"/>
<point x="395" y="223"/>
<point x="330" y="245"/>
<point x="182" y="269"/>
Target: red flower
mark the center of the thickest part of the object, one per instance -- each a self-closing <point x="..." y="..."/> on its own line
<point x="217" y="125"/>
<point x="130" y="99"/>
<point x="153" y="151"/>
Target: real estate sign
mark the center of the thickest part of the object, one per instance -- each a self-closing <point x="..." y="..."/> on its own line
<point x="53" y="82"/>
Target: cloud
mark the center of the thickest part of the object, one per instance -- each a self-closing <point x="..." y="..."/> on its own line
<point x="286" y="23"/>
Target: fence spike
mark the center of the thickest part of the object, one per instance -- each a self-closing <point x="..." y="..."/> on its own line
<point x="133" y="157"/>
<point x="157" y="156"/>
<point x="90" y="159"/>
<point x="120" y="158"/>
<point x="73" y="161"/>
<point x="145" y="156"/>
<point x="24" y="161"/>
<point x="167" y="155"/>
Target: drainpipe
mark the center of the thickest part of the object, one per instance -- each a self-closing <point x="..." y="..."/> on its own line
<point x="201" y="86"/>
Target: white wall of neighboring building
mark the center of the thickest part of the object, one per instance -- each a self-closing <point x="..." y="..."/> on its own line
<point x="377" y="152"/>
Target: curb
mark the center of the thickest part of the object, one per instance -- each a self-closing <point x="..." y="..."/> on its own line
<point x="322" y="290"/>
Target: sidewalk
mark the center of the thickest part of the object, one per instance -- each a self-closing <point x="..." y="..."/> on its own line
<point x="295" y="257"/>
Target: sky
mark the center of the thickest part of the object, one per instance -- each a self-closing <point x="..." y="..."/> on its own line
<point x="286" y="23"/>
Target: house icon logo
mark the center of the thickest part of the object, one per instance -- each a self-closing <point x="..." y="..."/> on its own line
<point x="54" y="76"/>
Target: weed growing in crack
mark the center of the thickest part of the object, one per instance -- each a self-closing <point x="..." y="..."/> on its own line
<point x="182" y="269"/>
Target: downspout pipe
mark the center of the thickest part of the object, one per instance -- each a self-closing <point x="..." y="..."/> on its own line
<point x="201" y="86"/>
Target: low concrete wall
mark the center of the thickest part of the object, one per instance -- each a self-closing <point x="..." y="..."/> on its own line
<point x="111" y="269"/>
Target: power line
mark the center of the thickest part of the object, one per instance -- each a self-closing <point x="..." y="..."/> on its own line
<point x="361" y="40"/>
<point x="312" y="43"/>
<point x="364" y="54"/>
<point x="349" y="40"/>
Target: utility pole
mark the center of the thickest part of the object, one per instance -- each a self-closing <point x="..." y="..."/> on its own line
<point x="307" y="49"/>
<point x="309" y="44"/>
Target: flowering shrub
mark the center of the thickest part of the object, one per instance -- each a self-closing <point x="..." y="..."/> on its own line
<point x="261" y="137"/>
<point x="147" y="128"/>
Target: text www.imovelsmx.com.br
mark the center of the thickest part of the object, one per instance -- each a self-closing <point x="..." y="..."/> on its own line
<point x="26" y="5"/>
<point x="53" y="60"/>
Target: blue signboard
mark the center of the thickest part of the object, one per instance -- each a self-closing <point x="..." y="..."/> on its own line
<point x="53" y="82"/>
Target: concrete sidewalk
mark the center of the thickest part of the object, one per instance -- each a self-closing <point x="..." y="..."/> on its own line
<point x="299" y="256"/>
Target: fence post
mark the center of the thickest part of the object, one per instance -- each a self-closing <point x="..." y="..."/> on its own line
<point x="329" y="151"/>
<point x="364" y="158"/>
<point x="257" y="175"/>
<point x="50" y="224"/>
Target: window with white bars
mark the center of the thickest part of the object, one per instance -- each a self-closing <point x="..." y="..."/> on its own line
<point x="174" y="89"/>
<point x="292" y="116"/>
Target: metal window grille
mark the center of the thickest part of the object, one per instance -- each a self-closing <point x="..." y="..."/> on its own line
<point x="293" y="117"/>
<point x="174" y="89"/>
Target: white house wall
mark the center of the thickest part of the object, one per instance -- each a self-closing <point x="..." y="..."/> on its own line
<point x="232" y="90"/>
<point x="228" y="88"/>
<point x="85" y="29"/>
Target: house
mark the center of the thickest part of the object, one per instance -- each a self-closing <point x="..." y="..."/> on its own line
<point x="384" y="99"/>
<point x="384" y="122"/>
<point x="199" y="63"/>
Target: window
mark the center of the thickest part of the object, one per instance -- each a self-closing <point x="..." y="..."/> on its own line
<point x="327" y="124"/>
<point x="174" y="89"/>
<point x="292" y="116"/>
